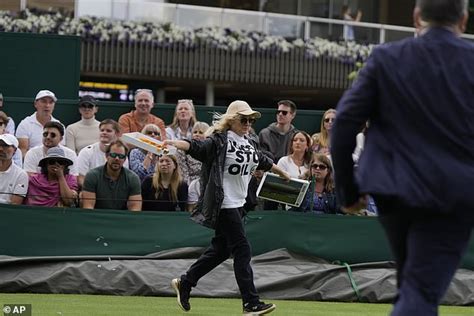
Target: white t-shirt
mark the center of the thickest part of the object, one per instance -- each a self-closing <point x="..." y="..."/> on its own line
<point x="30" y="128"/>
<point x="194" y="190"/>
<point x="13" y="181"/>
<point x="240" y="162"/>
<point x="287" y="164"/>
<point x="91" y="157"/>
<point x="34" y="155"/>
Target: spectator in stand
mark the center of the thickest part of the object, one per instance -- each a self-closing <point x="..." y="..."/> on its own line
<point x="190" y="167"/>
<point x="10" y="128"/>
<point x="30" y="129"/>
<point x="111" y="186"/>
<point x="320" y="197"/>
<point x="183" y="121"/>
<point x="94" y="155"/>
<point x="54" y="186"/>
<point x="165" y="190"/>
<point x="322" y="140"/>
<point x="142" y="162"/>
<point x="53" y="133"/>
<point x="4" y="122"/>
<point x="276" y="137"/>
<point x="299" y="159"/>
<point x="348" y="31"/>
<point x="86" y="131"/>
<point x="13" y="179"/>
<point x="136" y="120"/>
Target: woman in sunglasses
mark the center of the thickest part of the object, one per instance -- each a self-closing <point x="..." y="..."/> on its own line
<point x="54" y="186"/>
<point x="321" y="197"/>
<point x="229" y="157"/>
<point x="142" y="162"/>
<point x="322" y="140"/>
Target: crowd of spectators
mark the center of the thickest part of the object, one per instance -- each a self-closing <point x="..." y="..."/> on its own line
<point x="87" y="165"/>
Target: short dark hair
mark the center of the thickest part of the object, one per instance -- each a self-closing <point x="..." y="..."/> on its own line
<point x="116" y="143"/>
<point x="289" y="103"/>
<point x="115" y="125"/>
<point x="56" y="125"/>
<point x="442" y="12"/>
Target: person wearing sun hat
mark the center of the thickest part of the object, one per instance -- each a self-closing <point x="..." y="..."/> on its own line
<point x="229" y="157"/>
<point x="54" y="186"/>
<point x="13" y="179"/>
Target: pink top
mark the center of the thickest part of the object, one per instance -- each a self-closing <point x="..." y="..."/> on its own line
<point x="42" y="192"/>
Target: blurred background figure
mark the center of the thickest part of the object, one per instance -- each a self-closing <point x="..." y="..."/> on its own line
<point x="322" y="140"/>
<point x="86" y="131"/>
<point x="10" y="128"/>
<point x="346" y="16"/>
<point x="142" y="162"/>
<point x="183" y="121"/>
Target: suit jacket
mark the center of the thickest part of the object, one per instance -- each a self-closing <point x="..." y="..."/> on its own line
<point x="419" y="96"/>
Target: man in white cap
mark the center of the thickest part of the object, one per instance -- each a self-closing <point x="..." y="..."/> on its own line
<point x="13" y="179"/>
<point x="30" y="129"/>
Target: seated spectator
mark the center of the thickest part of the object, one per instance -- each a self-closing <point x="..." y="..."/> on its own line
<point x="111" y="186"/>
<point x="136" y="120"/>
<point x="30" y="129"/>
<point x="54" y="186"/>
<point x="191" y="168"/>
<point x="53" y="133"/>
<point x="194" y="191"/>
<point x="10" y="128"/>
<point x="322" y="140"/>
<point x="164" y="190"/>
<point x="299" y="158"/>
<point x="94" y="155"/>
<point x="321" y="197"/>
<point x="183" y="121"/>
<point x="143" y="162"/>
<point x="86" y="131"/>
<point x="4" y="122"/>
<point x="13" y="179"/>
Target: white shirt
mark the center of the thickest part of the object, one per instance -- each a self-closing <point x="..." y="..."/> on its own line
<point x="82" y="133"/>
<point x="10" y="129"/>
<point x="194" y="190"/>
<point x="240" y="162"/>
<point x="31" y="129"/>
<point x="91" y="157"/>
<point x="13" y="181"/>
<point x="175" y="134"/>
<point x="295" y="171"/>
<point x="34" y="155"/>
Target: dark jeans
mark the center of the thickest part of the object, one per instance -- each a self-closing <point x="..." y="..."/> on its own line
<point x="428" y="247"/>
<point x="229" y="239"/>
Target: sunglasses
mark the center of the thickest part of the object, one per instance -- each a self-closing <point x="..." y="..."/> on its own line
<point x="117" y="155"/>
<point x="319" y="166"/>
<point x="152" y="133"/>
<point x="282" y="112"/>
<point x="86" y="106"/>
<point x="245" y="120"/>
<point x="3" y="124"/>
<point x="55" y="161"/>
<point x="329" y="119"/>
<point x="51" y="134"/>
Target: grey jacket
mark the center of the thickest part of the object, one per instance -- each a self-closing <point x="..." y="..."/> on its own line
<point x="275" y="142"/>
<point x="212" y="153"/>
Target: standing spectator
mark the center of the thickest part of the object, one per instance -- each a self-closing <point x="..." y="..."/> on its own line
<point x="10" y="128"/>
<point x="228" y="158"/>
<point x="86" y="131"/>
<point x="183" y="121"/>
<point x="165" y="190"/>
<point x="94" y="155"/>
<point x="322" y="140"/>
<point x="30" y="129"/>
<point x="142" y="162"/>
<point x="276" y="137"/>
<point x="4" y="122"/>
<point x="418" y="161"/>
<point x="141" y="116"/>
<point x="112" y="186"/>
<point x="53" y="133"/>
<point x="13" y="179"/>
<point x="348" y="31"/>
<point x="54" y="186"/>
<point x="299" y="158"/>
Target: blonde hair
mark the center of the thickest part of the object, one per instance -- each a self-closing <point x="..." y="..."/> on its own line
<point x="200" y="126"/>
<point x="221" y="122"/>
<point x="175" y="122"/>
<point x="176" y="179"/>
<point x="322" y="138"/>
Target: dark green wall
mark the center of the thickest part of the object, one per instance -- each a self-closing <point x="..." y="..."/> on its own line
<point x="33" y="62"/>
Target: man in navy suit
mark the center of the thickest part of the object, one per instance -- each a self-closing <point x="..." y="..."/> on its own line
<point x="418" y="161"/>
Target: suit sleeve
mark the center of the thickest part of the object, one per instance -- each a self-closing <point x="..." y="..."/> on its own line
<point x="354" y="109"/>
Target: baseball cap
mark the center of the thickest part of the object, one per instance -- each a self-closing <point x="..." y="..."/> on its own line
<point x="243" y="108"/>
<point x="88" y="99"/>
<point x="9" y="139"/>
<point x="45" y="93"/>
